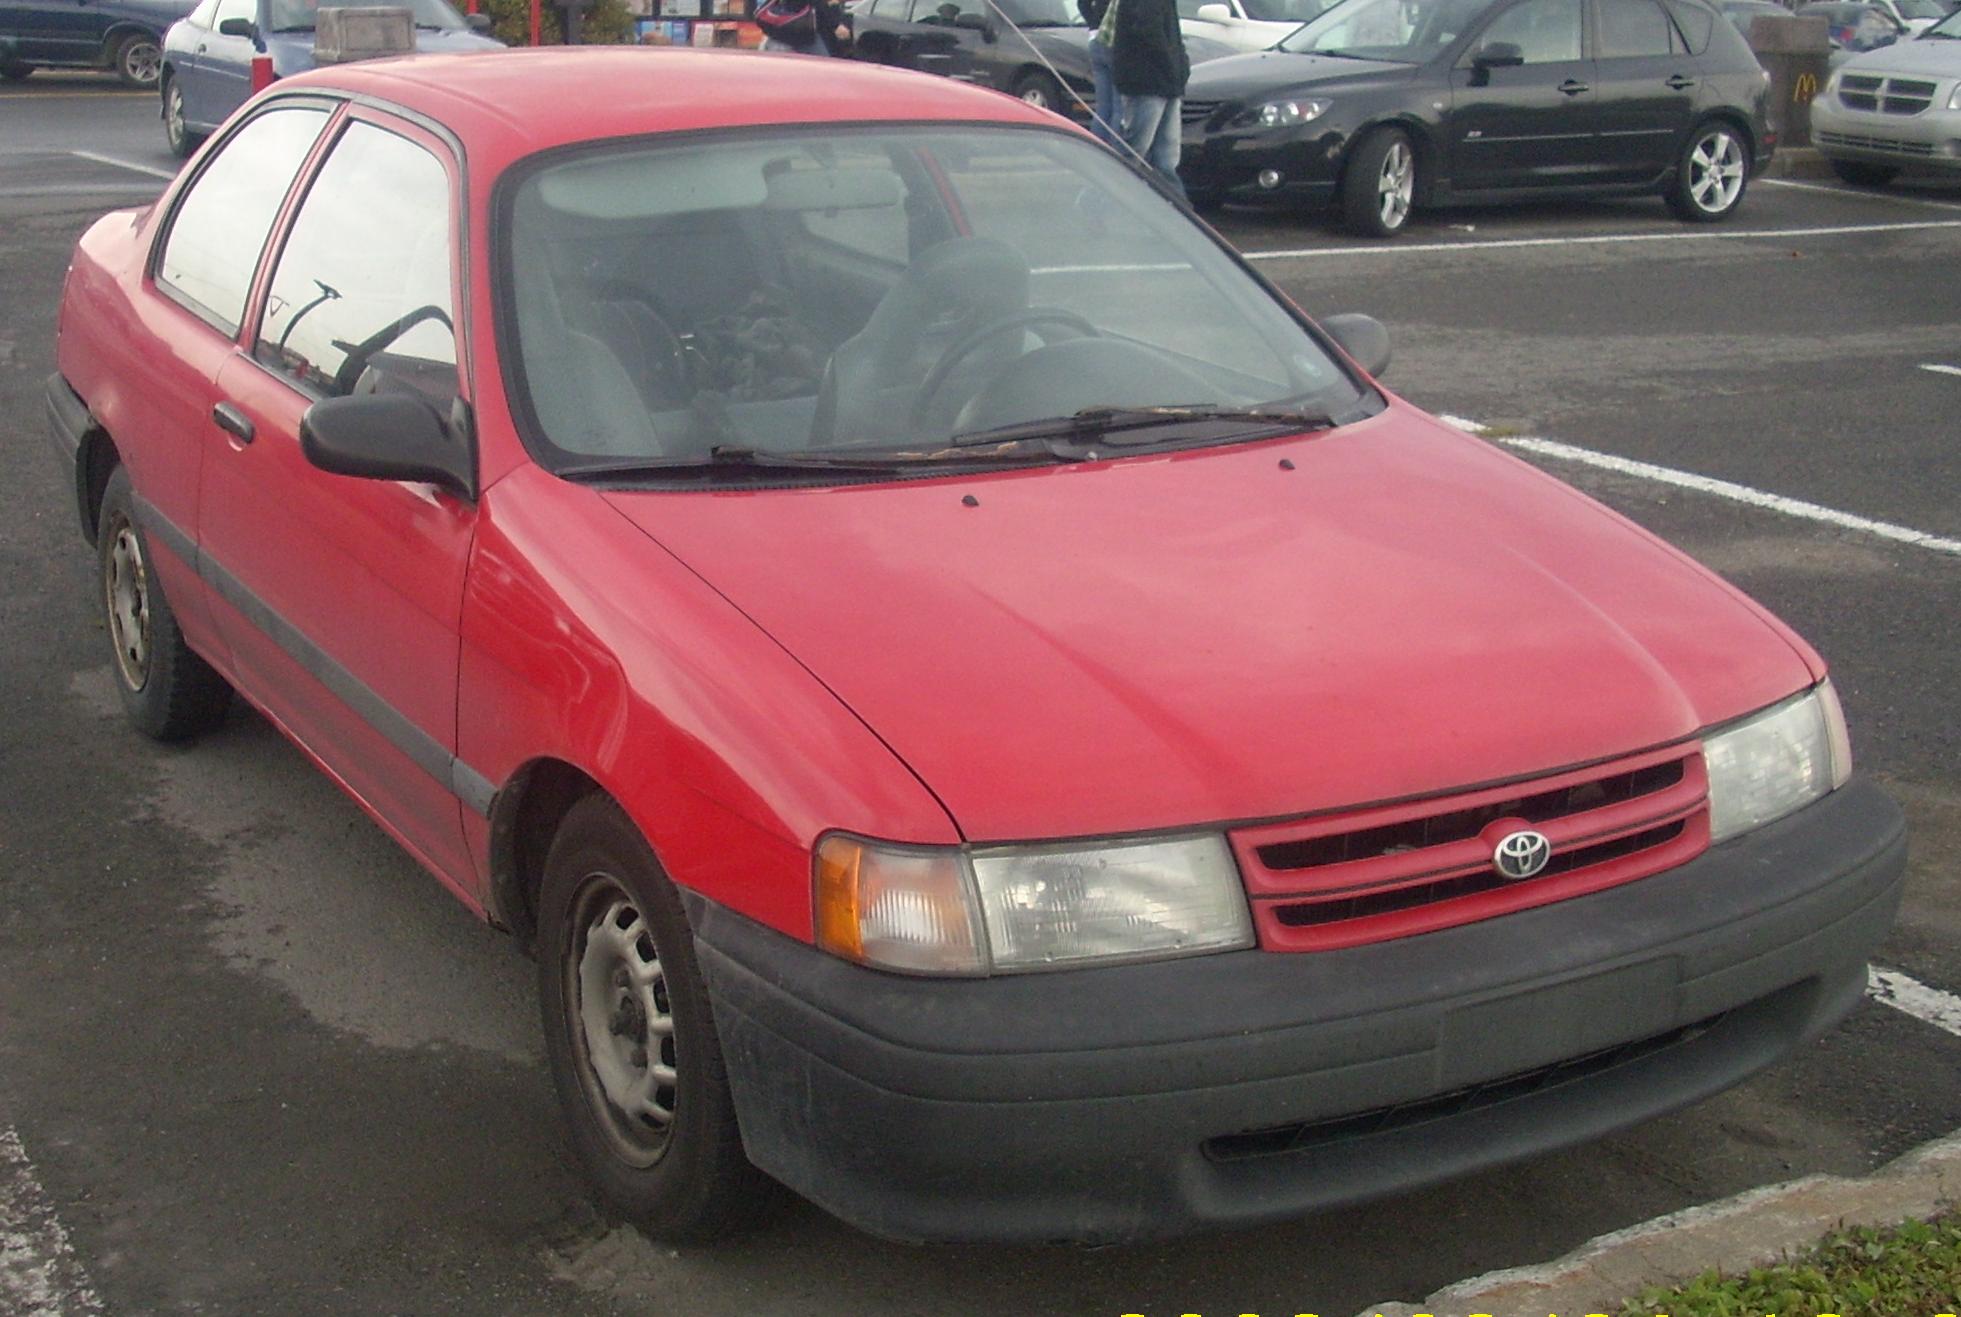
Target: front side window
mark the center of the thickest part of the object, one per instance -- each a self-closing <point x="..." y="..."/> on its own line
<point x="245" y="9"/>
<point x="895" y="291"/>
<point x="220" y="227"/>
<point x="361" y="294"/>
<point x="1397" y="31"/>
<point x="1630" y="29"/>
<point x="1546" y="31"/>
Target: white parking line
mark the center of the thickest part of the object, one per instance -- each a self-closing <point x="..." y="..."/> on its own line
<point x="100" y="159"/>
<point x="39" y="1274"/>
<point x="1757" y="498"/>
<point x="1939" y="369"/>
<point x="1592" y="239"/>
<point x="1940" y="1009"/>
<point x="1857" y="193"/>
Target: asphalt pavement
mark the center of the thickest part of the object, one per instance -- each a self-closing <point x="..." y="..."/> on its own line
<point x="253" y="1059"/>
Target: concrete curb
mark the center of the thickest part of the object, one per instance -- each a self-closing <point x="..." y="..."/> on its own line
<point x="1798" y="162"/>
<point x="1751" y="1229"/>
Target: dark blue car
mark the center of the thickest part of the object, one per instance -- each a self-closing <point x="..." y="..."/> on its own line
<point x="124" y="36"/>
<point x="207" y="57"/>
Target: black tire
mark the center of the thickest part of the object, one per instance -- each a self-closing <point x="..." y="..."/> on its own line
<point x="1711" y="174"/>
<point x="138" y="60"/>
<point x="15" y="72"/>
<point x="1861" y="174"/>
<point x="176" y="133"/>
<point x="168" y="692"/>
<point x="1379" y="187"/>
<point x="681" y="1175"/>
<point x="1039" y="89"/>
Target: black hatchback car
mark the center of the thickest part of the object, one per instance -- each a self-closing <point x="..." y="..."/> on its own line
<point x="1381" y="106"/>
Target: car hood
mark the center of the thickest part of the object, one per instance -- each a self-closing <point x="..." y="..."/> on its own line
<point x="1075" y="40"/>
<point x="1265" y="72"/>
<point x="1180" y="639"/>
<point x="1922" y="58"/>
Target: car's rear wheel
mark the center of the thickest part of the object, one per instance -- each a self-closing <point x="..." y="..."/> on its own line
<point x="138" y="60"/>
<point x="14" y="72"/>
<point x="1041" y="90"/>
<point x="1378" y="192"/>
<point x="630" y="1033"/>
<point x="1859" y="173"/>
<point x="1711" y="175"/>
<point x="168" y="692"/>
<point x="175" y="130"/>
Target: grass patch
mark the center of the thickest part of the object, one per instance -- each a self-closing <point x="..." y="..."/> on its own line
<point x="1912" y="1270"/>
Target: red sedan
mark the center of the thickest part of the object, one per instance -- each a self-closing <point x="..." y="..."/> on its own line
<point x="979" y="708"/>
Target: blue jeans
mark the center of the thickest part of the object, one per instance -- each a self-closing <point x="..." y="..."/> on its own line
<point x="1105" y="82"/>
<point x="1151" y="124"/>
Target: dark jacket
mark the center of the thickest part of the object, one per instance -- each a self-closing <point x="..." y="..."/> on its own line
<point x="829" y="14"/>
<point x="1149" y="59"/>
<point x="1092" y="12"/>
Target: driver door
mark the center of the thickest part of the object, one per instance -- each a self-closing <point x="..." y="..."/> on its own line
<point x="1532" y="124"/>
<point x="344" y="594"/>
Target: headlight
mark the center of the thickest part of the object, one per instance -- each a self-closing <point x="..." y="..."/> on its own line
<point x="1954" y="97"/>
<point x="1831" y="85"/>
<point x="946" y="910"/>
<point x="1285" y="114"/>
<point x="1776" y="761"/>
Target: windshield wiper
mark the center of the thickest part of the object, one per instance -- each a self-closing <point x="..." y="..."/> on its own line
<point x="872" y="463"/>
<point x="1098" y="424"/>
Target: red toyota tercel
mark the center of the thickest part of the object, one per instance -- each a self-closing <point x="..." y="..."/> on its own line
<point x="980" y="709"/>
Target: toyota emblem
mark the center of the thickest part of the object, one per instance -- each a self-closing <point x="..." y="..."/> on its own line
<point x="1521" y="855"/>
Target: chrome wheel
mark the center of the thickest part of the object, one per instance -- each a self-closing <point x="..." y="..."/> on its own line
<point x="1716" y="172"/>
<point x="623" y="1022"/>
<point x="1396" y="184"/>
<point x="126" y="591"/>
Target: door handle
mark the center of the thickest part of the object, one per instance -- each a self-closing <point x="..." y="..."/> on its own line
<point x="1573" y="87"/>
<point x="232" y="421"/>
<point x="1679" y="83"/>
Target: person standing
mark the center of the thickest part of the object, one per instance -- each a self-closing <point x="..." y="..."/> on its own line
<point x="827" y="33"/>
<point x="1103" y="115"/>
<point x="1149" y="66"/>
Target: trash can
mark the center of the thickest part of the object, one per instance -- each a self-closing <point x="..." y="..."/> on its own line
<point x="1796" y="52"/>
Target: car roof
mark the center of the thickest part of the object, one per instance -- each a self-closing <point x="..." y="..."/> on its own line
<point x="526" y="100"/>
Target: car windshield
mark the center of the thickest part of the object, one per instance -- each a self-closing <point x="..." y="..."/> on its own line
<point x="298" y="15"/>
<point x="920" y="294"/>
<point x="1041" y="13"/>
<point x="1922" y="9"/>
<point x="1949" y="27"/>
<point x="1396" y="31"/>
<point x="1284" y="11"/>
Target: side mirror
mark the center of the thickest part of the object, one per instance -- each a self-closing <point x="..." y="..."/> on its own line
<point x="980" y="23"/>
<point x="1214" y="14"/>
<point x="479" y="23"/>
<point x="1362" y="338"/>
<point x="387" y="436"/>
<point x="1498" y="55"/>
<point x="239" y="27"/>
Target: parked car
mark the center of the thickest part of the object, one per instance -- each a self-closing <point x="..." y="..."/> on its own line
<point x="979" y="707"/>
<point x="1854" y="26"/>
<point x="1914" y="16"/>
<point x="122" y="36"/>
<point x="1894" y="108"/>
<point x="1384" y="106"/>
<point x="968" y="40"/>
<point x="1742" y="13"/>
<point x="1246" y="24"/>
<point x="208" y="57"/>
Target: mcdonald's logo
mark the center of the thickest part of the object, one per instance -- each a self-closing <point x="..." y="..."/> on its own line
<point x="1804" y="89"/>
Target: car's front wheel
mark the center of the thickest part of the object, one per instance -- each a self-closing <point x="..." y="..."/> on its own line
<point x="1040" y="90"/>
<point x="138" y="60"/>
<point x="176" y="132"/>
<point x="630" y="1033"/>
<point x="1378" y="191"/>
<point x="1711" y="175"/>
<point x="168" y="692"/>
<point x="1860" y="173"/>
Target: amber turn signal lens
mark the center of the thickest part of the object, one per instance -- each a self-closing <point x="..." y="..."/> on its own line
<point x="905" y="908"/>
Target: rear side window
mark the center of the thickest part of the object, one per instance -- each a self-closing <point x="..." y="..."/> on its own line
<point x="1632" y="28"/>
<point x="1696" y="23"/>
<point x="220" y="227"/>
<point x="361" y="297"/>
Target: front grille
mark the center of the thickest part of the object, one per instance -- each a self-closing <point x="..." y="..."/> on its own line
<point x="1391" y="871"/>
<point x="1195" y="113"/>
<point x="1309" y="1134"/>
<point x="1877" y="95"/>
<point x="1866" y="141"/>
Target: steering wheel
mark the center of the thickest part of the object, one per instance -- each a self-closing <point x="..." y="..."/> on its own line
<point x="668" y="364"/>
<point x="356" y="360"/>
<point x="1026" y="318"/>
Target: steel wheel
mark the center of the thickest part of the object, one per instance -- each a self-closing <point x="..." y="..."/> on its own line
<point x="1711" y="175"/>
<point x="616" y="993"/>
<point x="126" y="598"/>
<point x="139" y="59"/>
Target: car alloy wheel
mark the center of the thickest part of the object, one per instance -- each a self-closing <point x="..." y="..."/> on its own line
<point x="1379" y="185"/>
<point x="1711" y="175"/>
<point x="139" y="60"/>
<point x="617" y="992"/>
<point x="126" y="600"/>
<point x="1396" y="185"/>
<point x="175" y="131"/>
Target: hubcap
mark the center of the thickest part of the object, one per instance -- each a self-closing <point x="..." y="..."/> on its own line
<point x="622" y="1022"/>
<point x="1716" y="172"/>
<point x="126" y="590"/>
<point x="1036" y="96"/>
<point x="1396" y="185"/>
<point x="142" y="61"/>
